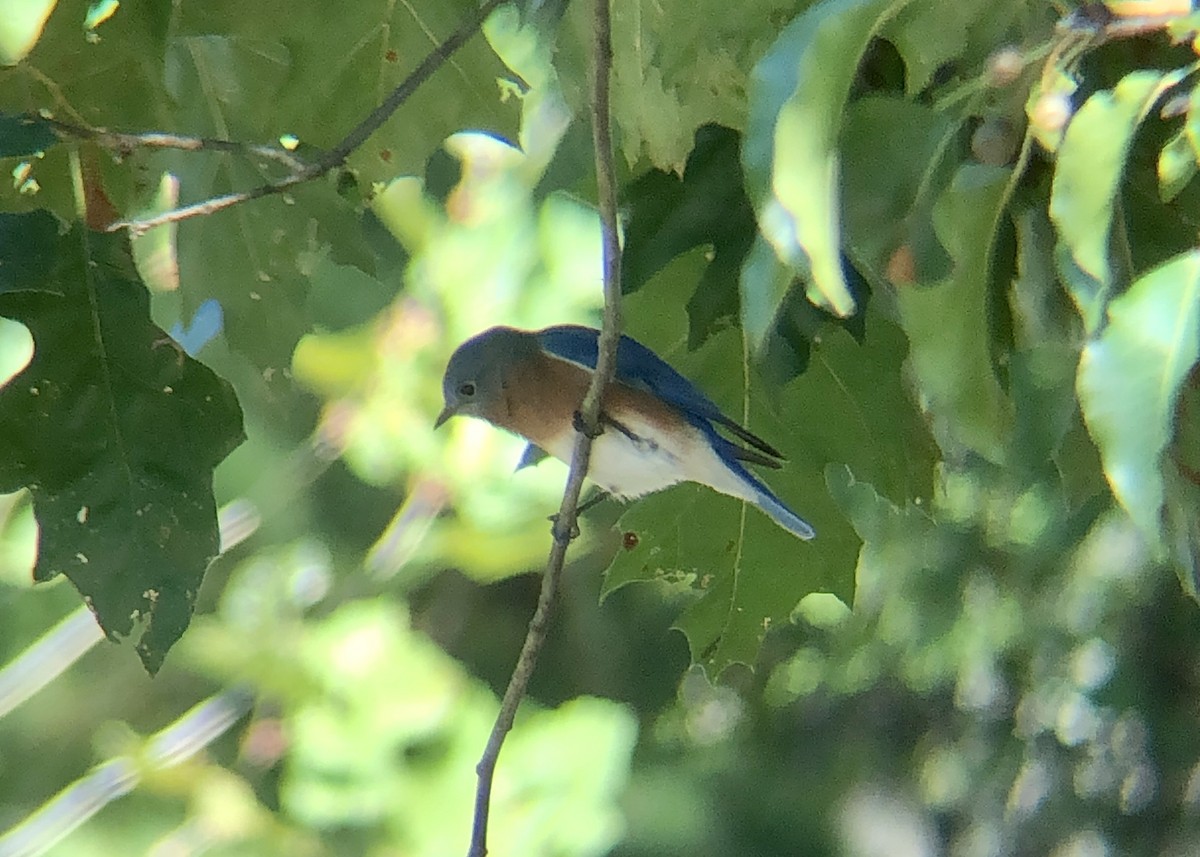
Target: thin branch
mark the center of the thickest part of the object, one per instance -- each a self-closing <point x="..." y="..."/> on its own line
<point x="565" y="522"/>
<point x="123" y="143"/>
<point x="336" y="156"/>
<point x="216" y="203"/>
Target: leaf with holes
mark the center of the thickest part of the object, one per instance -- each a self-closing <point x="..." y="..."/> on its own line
<point x="114" y="431"/>
<point x="744" y="573"/>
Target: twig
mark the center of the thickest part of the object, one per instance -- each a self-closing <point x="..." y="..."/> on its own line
<point x="123" y="143"/>
<point x="359" y="134"/>
<point x="564" y="525"/>
<point x="336" y="156"/>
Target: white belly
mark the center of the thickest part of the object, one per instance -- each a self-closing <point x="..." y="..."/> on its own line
<point x="630" y="467"/>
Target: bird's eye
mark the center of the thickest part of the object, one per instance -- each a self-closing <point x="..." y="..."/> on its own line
<point x="467" y="389"/>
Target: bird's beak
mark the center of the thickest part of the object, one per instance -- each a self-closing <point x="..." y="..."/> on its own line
<point x="447" y="413"/>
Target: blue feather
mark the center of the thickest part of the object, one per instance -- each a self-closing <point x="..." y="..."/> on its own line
<point x="640" y="367"/>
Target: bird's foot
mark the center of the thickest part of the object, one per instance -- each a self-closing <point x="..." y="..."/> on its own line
<point x="582" y="427"/>
<point x="563" y="534"/>
<point x="590" y="503"/>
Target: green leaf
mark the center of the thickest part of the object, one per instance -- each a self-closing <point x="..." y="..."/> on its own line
<point x="115" y="432"/>
<point x="1129" y="380"/>
<point x="1182" y="486"/>
<point x="21" y="23"/>
<point x="1191" y="126"/>
<point x="798" y="91"/>
<point x="1045" y="353"/>
<point x="928" y="35"/>
<point x="706" y="207"/>
<point x="405" y="697"/>
<point x="24" y="135"/>
<point x="948" y="323"/>
<point x="765" y="283"/>
<point x="344" y="296"/>
<point x="154" y="251"/>
<point x="1176" y="166"/>
<point x="1088" y="172"/>
<point x="744" y="573"/>
<point x="1087" y="293"/>
<point x="891" y="534"/>
<point x="1183" y="522"/>
<point x="76" y="71"/>
<point x="224" y="77"/>
<point x="260" y="271"/>
<point x="223" y="69"/>
<point x="677" y="66"/>
<point x="288" y="68"/>
<point x="895" y="167"/>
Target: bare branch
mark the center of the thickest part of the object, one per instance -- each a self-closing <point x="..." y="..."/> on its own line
<point x="565" y="522"/>
<point x="420" y="74"/>
<point x="216" y="203"/>
<point x="332" y="159"/>
<point x="123" y="143"/>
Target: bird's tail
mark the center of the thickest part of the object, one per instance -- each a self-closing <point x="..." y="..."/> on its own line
<point x="730" y="477"/>
<point x="782" y="515"/>
<point x="722" y="470"/>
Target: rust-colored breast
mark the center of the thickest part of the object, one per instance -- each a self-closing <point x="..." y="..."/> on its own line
<point x="541" y="395"/>
<point x="539" y="398"/>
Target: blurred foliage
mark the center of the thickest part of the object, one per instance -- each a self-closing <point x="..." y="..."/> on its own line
<point x="941" y="255"/>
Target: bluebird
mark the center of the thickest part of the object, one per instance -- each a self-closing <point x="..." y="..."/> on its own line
<point x="657" y="428"/>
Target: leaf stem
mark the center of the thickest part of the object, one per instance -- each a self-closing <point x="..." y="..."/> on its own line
<point x="565" y="522"/>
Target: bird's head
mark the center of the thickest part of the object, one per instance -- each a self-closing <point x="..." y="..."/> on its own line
<point x="475" y="376"/>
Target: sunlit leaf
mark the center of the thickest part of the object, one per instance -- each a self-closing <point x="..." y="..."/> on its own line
<point x="21" y="23"/>
<point x="1129" y="379"/>
<point x="677" y="66"/>
<point x="1091" y="161"/>
<point x="1191" y="126"/>
<point x="387" y="692"/>
<point x="764" y="286"/>
<point x="798" y="91"/>
<point x="154" y="251"/>
<point x="931" y="34"/>
<point x="1176" y="166"/>
<point x="99" y="12"/>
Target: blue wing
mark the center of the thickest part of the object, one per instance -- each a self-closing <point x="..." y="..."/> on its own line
<point x="531" y="456"/>
<point x="640" y="367"/>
